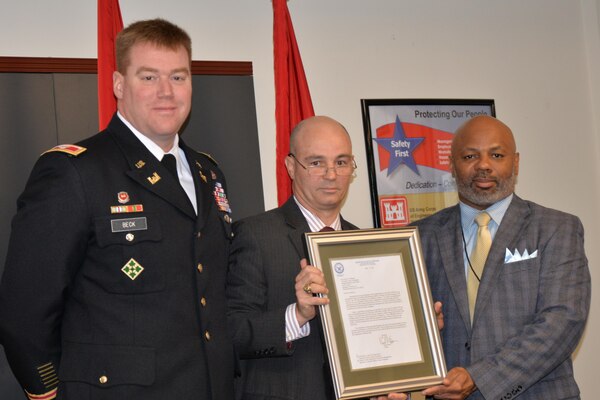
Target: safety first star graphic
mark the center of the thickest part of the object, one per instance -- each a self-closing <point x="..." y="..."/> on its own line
<point x="400" y="148"/>
<point x="412" y="145"/>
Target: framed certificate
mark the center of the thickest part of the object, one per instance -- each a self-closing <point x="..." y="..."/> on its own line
<point x="380" y="326"/>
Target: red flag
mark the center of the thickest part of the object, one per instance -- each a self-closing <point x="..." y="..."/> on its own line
<point x="109" y="24"/>
<point x="292" y="97"/>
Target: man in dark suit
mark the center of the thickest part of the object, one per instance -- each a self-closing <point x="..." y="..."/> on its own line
<point x="269" y="286"/>
<point x="115" y="275"/>
<point x="509" y="328"/>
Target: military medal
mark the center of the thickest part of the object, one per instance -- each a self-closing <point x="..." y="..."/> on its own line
<point x="127" y="209"/>
<point x="221" y="198"/>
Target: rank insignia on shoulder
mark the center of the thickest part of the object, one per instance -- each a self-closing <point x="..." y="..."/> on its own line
<point x="70" y="149"/>
<point x="132" y="269"/>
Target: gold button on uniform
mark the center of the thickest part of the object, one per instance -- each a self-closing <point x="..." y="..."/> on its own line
<point x="203" y="302"/>
<point x="200" y="267"/>
<point x="103" y="379"/>
<point x="207" y="335"/>
<point x="198" y="235"/>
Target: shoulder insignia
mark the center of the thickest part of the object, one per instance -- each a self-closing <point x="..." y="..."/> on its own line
<point x="71" y="149"/>
<point x="209" y="157"/>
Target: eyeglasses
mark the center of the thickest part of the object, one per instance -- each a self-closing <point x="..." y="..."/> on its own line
<point x="342" y="167"/>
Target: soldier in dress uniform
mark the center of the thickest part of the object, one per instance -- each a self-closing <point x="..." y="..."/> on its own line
<point x="115" y="275"/>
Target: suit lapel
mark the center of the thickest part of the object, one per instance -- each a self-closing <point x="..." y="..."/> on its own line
<point x="147" y="171"/>
<point x="449" y="238"/>
<point x="347" y="226"/>
<point x="510" y="230"/>
<point x="297" y="225"/>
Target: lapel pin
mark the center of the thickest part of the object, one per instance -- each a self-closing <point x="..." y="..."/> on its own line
<point x="140" y="164"/>
<point x="154" y="178"/>
<point x="213" y="175"/>
<point x="123" y="197"/>
<point x="203" y="177"/>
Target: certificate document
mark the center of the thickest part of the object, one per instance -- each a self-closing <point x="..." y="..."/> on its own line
<point x="380" y="326"/>
<point x="376" y="311"/>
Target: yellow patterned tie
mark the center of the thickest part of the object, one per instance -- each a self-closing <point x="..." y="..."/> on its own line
<point x="477" y="258"/>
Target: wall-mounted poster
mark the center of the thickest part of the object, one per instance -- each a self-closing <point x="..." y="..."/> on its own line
<point x="408" y="148"/>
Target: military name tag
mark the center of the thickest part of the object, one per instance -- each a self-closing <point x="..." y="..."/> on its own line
<point x="128" y="224"/>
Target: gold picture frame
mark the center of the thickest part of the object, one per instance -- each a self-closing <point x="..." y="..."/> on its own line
<point x="380" y="326"/>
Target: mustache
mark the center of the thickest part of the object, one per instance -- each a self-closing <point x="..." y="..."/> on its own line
<point x="483" y="175"/>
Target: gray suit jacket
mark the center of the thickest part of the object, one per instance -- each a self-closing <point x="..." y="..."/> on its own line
<point x="264" y="262"/>
<point x="529" y="314"/>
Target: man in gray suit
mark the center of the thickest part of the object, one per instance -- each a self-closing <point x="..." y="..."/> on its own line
<point x="533" y="293"/>
<point x="269" y="287"/>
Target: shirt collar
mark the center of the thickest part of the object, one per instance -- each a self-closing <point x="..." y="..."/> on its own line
<point x="496" y="211"/>
<point x="314" y="223"/>
<point x="152" y="147"/>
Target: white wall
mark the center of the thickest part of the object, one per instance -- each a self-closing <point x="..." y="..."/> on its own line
<point x="539" y="60"/>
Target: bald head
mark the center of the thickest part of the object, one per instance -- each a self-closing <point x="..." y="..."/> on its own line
<point x="317" y="123"/>
<point x="484" y="161"/>
<point x="315" y="143"/>
<point x="484" y="126"/>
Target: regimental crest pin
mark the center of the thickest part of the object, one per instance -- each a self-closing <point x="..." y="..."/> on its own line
<point x="123" y="197"/>
<point x="132" y="269"/>
<point x="140" y="164"/>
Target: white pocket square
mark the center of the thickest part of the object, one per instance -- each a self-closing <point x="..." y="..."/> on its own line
<point x="516" y="256"/>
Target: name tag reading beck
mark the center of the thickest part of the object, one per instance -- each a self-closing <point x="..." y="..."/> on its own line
<point x="128" y="224"/>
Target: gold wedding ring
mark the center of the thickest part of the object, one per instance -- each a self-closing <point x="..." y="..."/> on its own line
<point x="307" y="289"/>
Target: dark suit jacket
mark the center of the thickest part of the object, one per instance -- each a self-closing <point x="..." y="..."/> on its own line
<point x="529" y="314"/>
<point x="66" y="302"/>
<point x="265" y="260"/>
